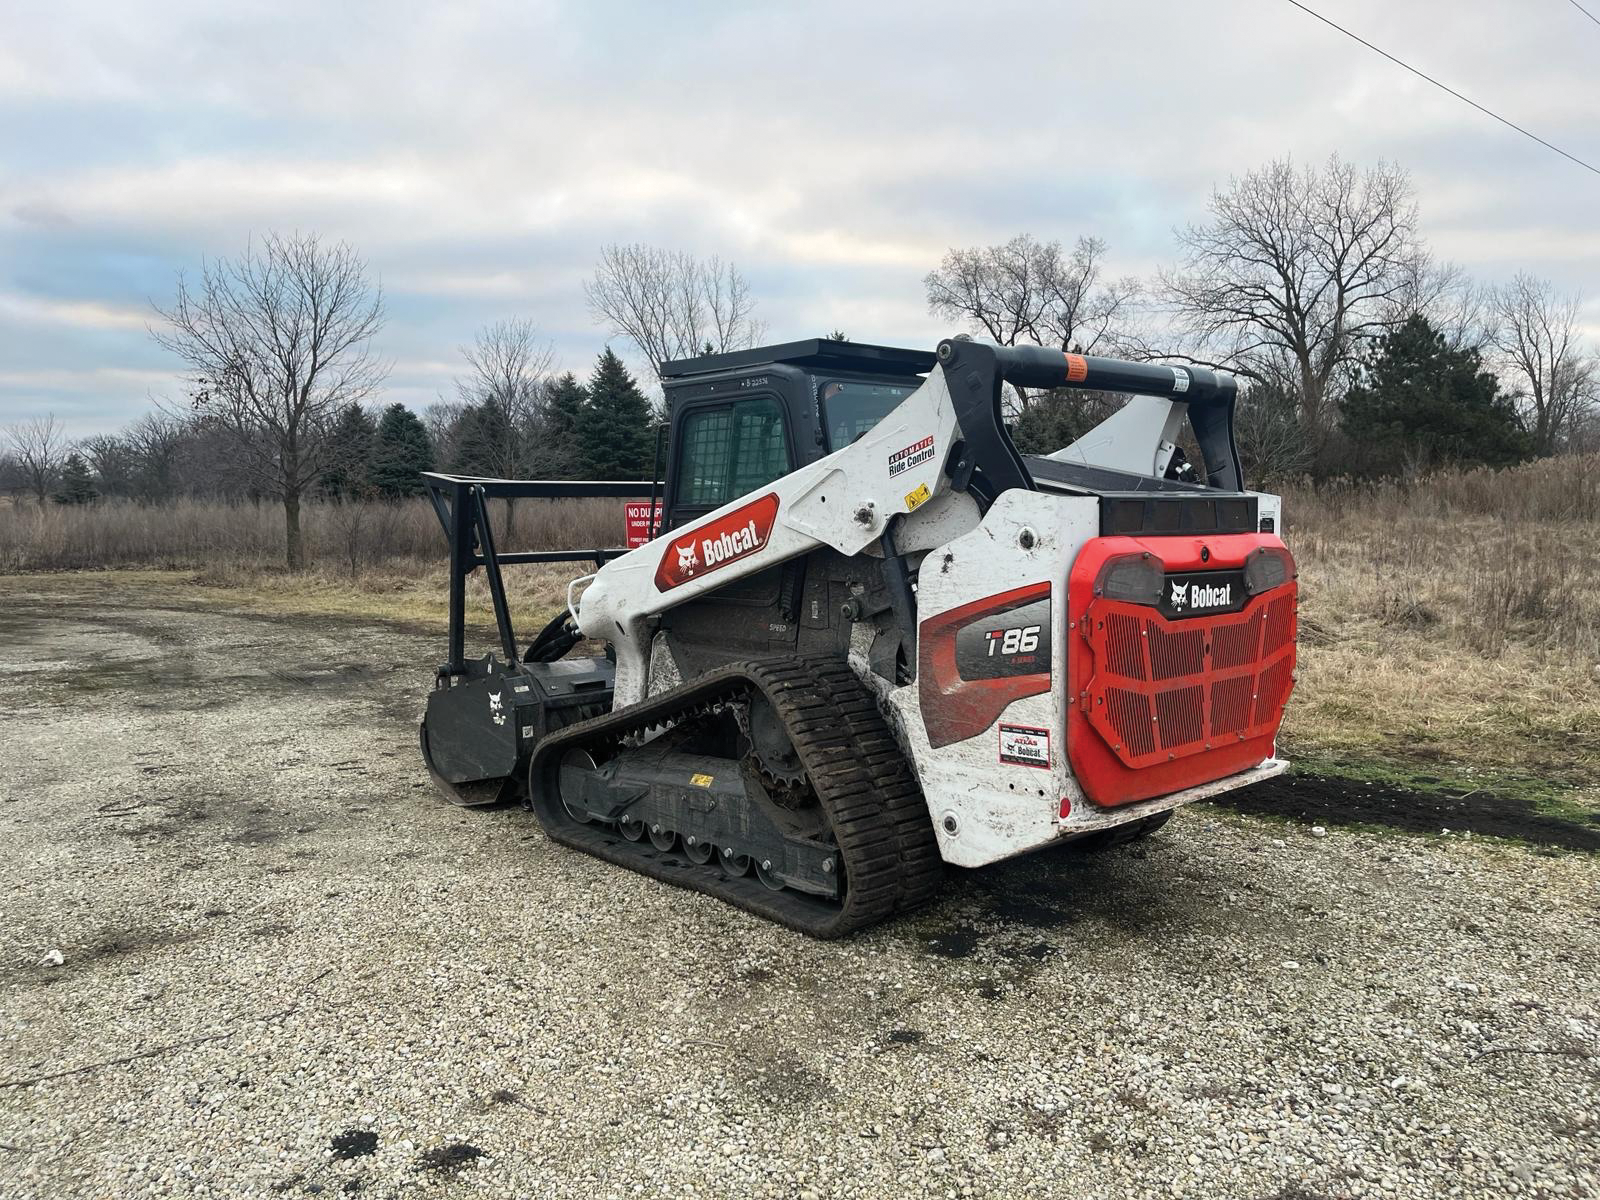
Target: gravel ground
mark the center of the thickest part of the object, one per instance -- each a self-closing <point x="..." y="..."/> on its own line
<point x="245" y="952"/>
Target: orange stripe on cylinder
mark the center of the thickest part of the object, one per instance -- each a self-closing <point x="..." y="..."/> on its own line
<point x="1077" y="368"/>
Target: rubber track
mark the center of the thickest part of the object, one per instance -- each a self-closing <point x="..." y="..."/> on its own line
<point x="866" y="790"/>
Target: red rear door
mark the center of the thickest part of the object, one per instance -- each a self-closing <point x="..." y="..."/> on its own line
<point x="1180" y="658"/>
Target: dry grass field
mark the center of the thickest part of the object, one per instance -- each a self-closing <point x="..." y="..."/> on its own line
<point x="1450" y="625"/>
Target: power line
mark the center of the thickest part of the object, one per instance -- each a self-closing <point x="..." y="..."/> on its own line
<point x="1584" y="11"/>
<point x="1445" y="87"/>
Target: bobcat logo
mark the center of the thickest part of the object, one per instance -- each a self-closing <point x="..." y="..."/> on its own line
<point x="1180" y="594"/>
<point x="687" y="561"/>
<point x="496" y="709"/>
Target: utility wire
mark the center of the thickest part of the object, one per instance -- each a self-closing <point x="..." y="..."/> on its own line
<point x="1445" y="87"/>
<point x="1584" y="11"/>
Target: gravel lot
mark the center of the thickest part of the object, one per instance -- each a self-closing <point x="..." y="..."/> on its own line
<point x="245" y="952"/>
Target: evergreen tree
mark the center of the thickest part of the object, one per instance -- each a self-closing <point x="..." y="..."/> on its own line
<point x="616" y="431"/>
<point x="1057" y="418"/>
<point x="1420" y="402"/>
<point x="77" y="484"/>
<point x="401" y="451"/>
<point x="349" y="451"/>
<point x="558" y="456"/>
<point x="483" y="442"/>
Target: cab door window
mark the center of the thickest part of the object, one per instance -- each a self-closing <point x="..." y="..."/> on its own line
<point x="729" y="451"/>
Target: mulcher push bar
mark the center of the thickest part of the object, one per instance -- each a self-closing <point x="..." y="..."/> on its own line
<point x="462" y="506"/>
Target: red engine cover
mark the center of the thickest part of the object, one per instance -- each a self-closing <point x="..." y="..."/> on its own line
<point x="1162" y="703"/>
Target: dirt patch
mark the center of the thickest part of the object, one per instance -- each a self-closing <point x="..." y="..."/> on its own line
<point x="1330" y="800"/>
<point x="450" y="1157"/>
<point x="354" y="1143"/>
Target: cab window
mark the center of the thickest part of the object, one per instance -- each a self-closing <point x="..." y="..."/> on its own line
<point x="850" y="409"/>
<point x="731" y="450"/>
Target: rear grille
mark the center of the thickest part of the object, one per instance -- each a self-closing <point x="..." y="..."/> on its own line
<point x="1125" y="645"/>
<point x="1162" y="690"/>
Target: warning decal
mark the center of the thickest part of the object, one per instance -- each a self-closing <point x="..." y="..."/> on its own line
<point x="1077" y="368"/>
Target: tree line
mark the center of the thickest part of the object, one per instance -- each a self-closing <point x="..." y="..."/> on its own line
<point x="1357" y="350"/>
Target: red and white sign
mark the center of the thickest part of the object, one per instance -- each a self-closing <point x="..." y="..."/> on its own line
<point x="732" y="536"/>
<point x="640" y="519"/>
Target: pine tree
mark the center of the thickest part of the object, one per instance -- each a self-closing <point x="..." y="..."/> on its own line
<point x="481" y="441"/>
<point x="1420" y="402"/>
<point x="616" y="429"/>
<point x="401" y="451"/>
<point x="349" y="451"/>
<point x="558" y="456"/>
<point x="77" y="484"/>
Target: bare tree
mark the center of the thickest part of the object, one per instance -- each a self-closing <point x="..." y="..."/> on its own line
<point x="507" y="370"/>
<point x="112" y="461"/>
<point x="156" y="442"/>
<point x="671" y="305"/>
<point x="276" y="343"/>
<point x="1307" y="264"/>
<point x="1455" y="304"/>
<point x="1032" y="291"/>
<point x="38" y="447"/>
<point x="502" y="401"/>
<point x="1538" y="338"/>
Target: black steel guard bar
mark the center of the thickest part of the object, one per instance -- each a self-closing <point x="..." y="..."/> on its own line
<point x="988" y="462"/>
<point x="462" y="505"/>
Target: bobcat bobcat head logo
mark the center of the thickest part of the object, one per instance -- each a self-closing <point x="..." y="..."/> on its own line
<point x="496" y="708"/>
<point x="1180" y="594"/>
<point x="687" y="561"/>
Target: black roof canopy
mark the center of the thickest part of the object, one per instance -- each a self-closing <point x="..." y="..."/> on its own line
<point x="813" y="354"/>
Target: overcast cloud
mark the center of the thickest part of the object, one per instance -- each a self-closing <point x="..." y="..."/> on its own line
<point x="478" y="155"/>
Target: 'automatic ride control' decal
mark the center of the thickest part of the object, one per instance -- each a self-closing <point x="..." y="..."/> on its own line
<point x="708" y="547"/>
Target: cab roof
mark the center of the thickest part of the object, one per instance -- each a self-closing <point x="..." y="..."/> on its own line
<point x="812" y="354"/>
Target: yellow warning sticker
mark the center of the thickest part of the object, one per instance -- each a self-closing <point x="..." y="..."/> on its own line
<point x="913" y="499"/>
<point x="700" y="780"/>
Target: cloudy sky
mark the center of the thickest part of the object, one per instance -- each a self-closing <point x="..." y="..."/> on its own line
<point x="478" y="155"/>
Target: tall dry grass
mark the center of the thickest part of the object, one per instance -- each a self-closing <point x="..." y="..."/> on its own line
<point x="1452" y="619"/>
<point x="208" y="534"/>
<point x="1482" y="559"/>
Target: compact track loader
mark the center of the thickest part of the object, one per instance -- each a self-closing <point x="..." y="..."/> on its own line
<point x="873" y="638"/>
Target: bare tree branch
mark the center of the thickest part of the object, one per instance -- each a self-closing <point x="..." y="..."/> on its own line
<point x="1033" y="292"/>
<point x="671" y="305"/>
<point x="1538" y="339"/>
<point x="38" y="447"/>
<point x="1305" y="265"/>
<point x="276" y="342"/>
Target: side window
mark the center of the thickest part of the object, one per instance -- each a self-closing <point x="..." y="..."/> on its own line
<point x="730" y="451"/>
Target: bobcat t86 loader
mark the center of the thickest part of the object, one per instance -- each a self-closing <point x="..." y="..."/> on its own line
<point x="875" y="638"/>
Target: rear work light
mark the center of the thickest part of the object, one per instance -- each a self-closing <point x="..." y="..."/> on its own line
<point x="1134" y="578"/>
<point x="1267" y="567"/>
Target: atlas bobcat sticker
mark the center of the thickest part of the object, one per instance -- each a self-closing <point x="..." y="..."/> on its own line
<point x="729" y="538"/>
<point x="1024" y="745"/>
<point x="497" y="707"/>
<point x="913" y="455"/>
